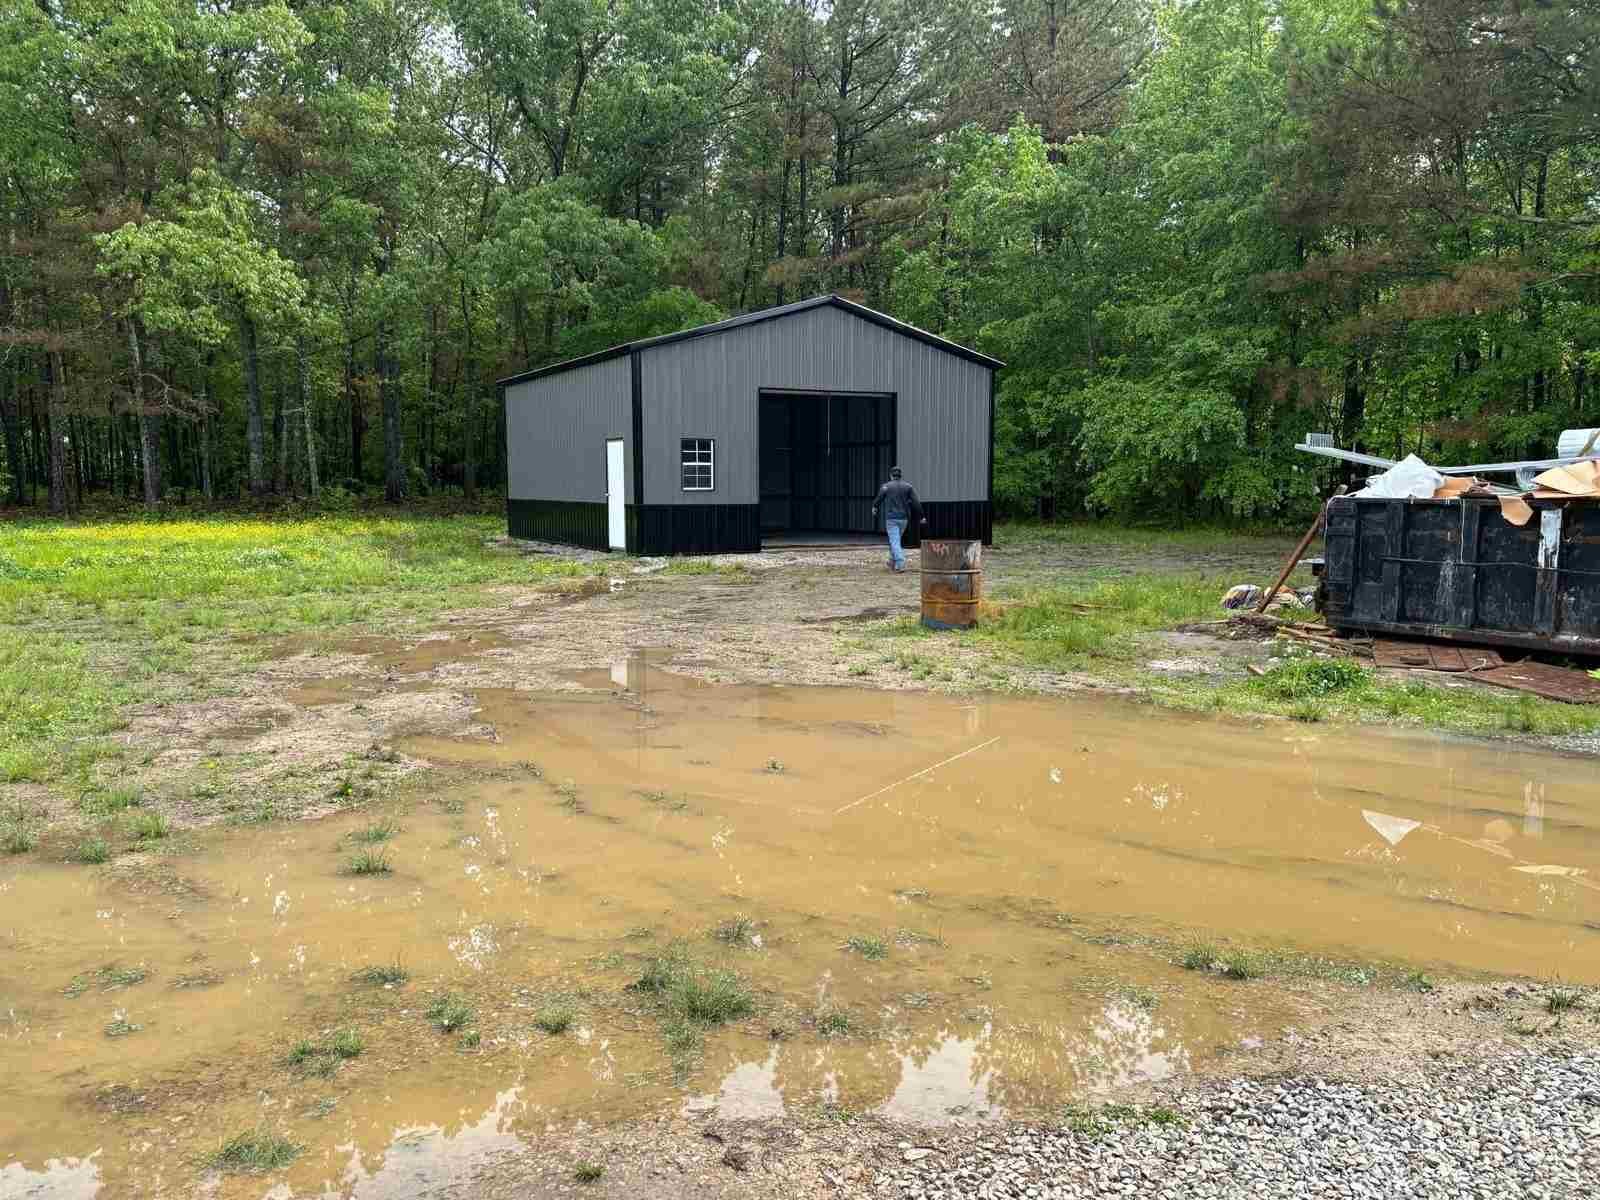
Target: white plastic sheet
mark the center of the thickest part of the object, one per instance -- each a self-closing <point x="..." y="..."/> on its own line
<point x="1410" y="478"/>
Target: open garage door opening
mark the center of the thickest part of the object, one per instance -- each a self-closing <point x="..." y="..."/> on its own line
<point x="823" y="457"/>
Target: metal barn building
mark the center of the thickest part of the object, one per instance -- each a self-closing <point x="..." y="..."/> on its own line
<point x="779" y="423"/>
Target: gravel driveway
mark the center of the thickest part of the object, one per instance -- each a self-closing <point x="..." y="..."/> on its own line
<point x="1524" y="1126"/>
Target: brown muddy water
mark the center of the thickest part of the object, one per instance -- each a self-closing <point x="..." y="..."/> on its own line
<point x="1030" y="869"/>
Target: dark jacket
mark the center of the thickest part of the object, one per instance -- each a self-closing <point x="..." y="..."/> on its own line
<point x="898" y="500"/>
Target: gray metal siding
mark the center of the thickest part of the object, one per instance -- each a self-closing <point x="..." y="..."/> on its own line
<point x="707" y="387"/>
<point x="556" y="431"/>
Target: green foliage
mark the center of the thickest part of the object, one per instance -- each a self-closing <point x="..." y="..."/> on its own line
<point x="1309" y="678"/>
<point x="253" y="1152"/>
<point x="449" y="1013"/>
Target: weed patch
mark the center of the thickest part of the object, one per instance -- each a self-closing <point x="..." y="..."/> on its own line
<point x="378" y="831"/>
<point x="383" y="974"/>
<point x="588" y="1172"/>
<point x="555" y="1019"/>
<point x="870" y="948"/>
<point x="253" y="1152"/>
<point x="92" y="850"/>
<point x="735" y="931"/>
<point x="450" y="1013"/>
<point x="368" y="862"/>
<point x="147" y="826"/>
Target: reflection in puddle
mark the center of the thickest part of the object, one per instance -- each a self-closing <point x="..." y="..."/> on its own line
<point x="1010" y="856"/>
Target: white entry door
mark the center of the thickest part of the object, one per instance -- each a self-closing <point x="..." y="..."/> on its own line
<point x="616" y="523"/>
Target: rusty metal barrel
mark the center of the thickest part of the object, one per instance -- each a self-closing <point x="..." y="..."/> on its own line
<point x="952" y="583"/>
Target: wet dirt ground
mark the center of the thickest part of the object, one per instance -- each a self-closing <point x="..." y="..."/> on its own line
<point x="946" y="908"/>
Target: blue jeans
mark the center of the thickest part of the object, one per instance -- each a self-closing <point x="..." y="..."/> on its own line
<point x="897" y="555"/>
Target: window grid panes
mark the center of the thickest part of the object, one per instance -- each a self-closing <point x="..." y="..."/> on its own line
<point x="699" y="464"/>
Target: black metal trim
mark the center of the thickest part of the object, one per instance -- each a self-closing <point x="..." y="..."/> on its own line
<point x="694" y="529"/>
<point x="969" y="519"/>
<point x="872" y="315"/>
<point x="638" y="431"/>
<point x="569" y="522"/>
<point x="993" y="380"/>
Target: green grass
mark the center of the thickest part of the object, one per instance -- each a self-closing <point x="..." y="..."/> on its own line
<point x="1559" y="999"/>
<point x="347" y="1043"/>
<point x="691" y="998"/>
<point x="833" y="1023"/>
<point x="732" y="572"/>
<point x="555" y="1018"/>
<point x="471" y="1039"/>
<point x="588" y="1172"/>
<point x="108" y="802"/>
<point x="450" y="1013"/>
<point x="378" y="831"/>
<point x="254" y="1152"/>
<point x="1200" y="956"/>
<point x="870" y="948"/>
<point x="92" y="850"/>
<point x="383" y="973"/>
<point x="1241" y="964"/>
<point x="97" y="616"/>
<point x="18" y="838"/>
<point x="145" y="825"/>
<point x="121" y="1027"/>
<point x="735" y="931"/>
<point x="368" y="862"/>
<point x="112" y="978"/>
<point x="1088" y="1120"/>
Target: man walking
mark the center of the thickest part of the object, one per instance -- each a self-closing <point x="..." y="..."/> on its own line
<point x="898" y="500"/>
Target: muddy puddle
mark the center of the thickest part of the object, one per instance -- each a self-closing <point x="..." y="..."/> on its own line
<point x="942" y="909"/>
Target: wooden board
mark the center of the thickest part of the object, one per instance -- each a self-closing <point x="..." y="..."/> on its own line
<point x="1553" y="683"/>
<point x="1388" y="652"/>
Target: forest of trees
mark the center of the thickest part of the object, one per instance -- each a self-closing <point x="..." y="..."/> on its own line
<point x="274" y="248"/>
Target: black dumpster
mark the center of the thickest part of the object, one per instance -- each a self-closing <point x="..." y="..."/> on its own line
<point x="1457" y="569"/>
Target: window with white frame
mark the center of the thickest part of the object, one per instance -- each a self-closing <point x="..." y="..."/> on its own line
<point x="699" y="464"/>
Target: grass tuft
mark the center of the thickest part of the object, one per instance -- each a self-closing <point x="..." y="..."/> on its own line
<point x="588" y="1172"/>
<point x="1241" y="964"/>
<point x="735" y="931"/>
<point x="833" y="1022"/>
<point x="450" y="1013"/>
<point x="254" y="1152"/>
<point x="92" y="850"/>
<point x="554" y="1019"/>
<point x="369" y="862"/>
<point x="1200" y="956"/>
<point x="121" y="1027"/>
<point x="145" y="825"/>
<point x="18" y="838"/>
<point x="1559" y="999"/>
<point x="109" y="802"/>
<point x="471" y="1039"/>
<point x="870" y="948"/>
<point x="378" y="831"/>
<point x="383" y="974"/>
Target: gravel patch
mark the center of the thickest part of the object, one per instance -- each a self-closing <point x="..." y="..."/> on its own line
<point x="1505" y="1127"/>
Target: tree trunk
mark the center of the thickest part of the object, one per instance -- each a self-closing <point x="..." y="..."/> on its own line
<point x="469" y="416"/>
<point x="10" y="415"/>
<point x="280" y="440"/>
<point x="358" y="418"/>
<point x="149" y="447"/>
<point x="394" y="478"/>
<point x="303" y="387"/>
<point x="254" y="431"/>
<point x="56" y="421"/>
<point x="203" y="431"/>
